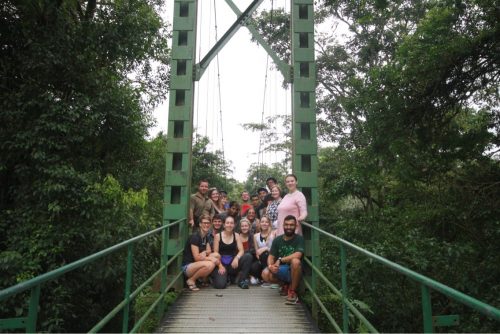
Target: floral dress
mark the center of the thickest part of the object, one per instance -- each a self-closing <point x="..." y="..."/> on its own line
<point x="272" y="212"/>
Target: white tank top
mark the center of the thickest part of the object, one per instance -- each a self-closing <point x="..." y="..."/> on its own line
<point x="264" y="243"/>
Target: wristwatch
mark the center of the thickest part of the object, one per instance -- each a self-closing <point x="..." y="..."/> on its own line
<point x="279" y="259"/>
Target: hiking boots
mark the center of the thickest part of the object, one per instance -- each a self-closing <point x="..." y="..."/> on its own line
<point x="243" y="284"/>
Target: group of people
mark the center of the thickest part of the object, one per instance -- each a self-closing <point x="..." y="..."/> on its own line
<point x="256" y="241"/>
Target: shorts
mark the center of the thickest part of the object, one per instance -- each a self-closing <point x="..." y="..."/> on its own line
<point x="184" y="268"/>
<point x="284" y="274"/>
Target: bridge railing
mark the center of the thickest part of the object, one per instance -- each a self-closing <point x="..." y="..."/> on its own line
<point x="426" y="284"/>
<point x="29" y="322"/>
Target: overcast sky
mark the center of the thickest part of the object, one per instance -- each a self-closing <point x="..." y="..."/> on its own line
<point x="242" y="68"/>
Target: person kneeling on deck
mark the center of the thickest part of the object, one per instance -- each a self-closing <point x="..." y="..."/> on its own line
<point x="234" y="264"/>
<point x="284" y="264"/>
<point x="198" y="260"/>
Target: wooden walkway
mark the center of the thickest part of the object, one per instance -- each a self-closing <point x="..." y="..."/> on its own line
<point x="233" y="310"/>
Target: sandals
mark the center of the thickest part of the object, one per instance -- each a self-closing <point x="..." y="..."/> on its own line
<point x="192" y="286"/>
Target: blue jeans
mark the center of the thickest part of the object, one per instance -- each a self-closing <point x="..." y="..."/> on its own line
<point x="284" y="273"/>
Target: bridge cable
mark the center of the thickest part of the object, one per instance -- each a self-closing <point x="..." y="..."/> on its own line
<point x="260" y="163"/>
<point x="199" y="27"/>
<point x="208" y="74"/>
<point x="220" y="95"/>
<point x="288" y="112"/>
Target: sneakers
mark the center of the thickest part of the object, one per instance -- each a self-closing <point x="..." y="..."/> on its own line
<point x="243" y="284"/>
<point x="292" y="298"/>
<point x="284" y="290"/>
<point x="266" y="285"/>
<point x="254" y="281"/>
<point x="275" y="286"/>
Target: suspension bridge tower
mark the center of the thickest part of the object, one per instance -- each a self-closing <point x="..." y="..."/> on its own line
<point x="186" y="69"/>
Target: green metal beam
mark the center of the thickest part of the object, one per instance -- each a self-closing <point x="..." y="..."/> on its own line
<point x="180" y="121"/>
<point x="304" y="139"/>
<point x="13" y="323"/>
<point x="426" y="282"/>
<point x="445" y="320"/>
<point x="203" y="64"/>
<point x="283" y="67"/>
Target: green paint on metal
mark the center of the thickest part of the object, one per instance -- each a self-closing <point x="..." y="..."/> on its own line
<point x="128" y="285"/>
<point x="343" y="273"/>
<point x="156" y="302"/>
<point x="202" y="66"/>
<point x="51" y="275"/>
<point x="426" y="285"/>
<point x="13" y="323"/>
<point x="164" y="259"/>
<point x="323" y="308"/>
<point x="336" y="291"/>
<point x="29" y="322"/>
<point x="33" y="309"/>
<point x="180" y="123"/>
<point x="283" y="67"/>
<point x="304" y="140"/>
<point x="488" y="310"/>
<point x="134" y="294"/>
<point x="445" y="320"/>
<point x="427" y="309"/>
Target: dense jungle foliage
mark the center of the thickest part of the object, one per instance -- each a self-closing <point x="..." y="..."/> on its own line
<point x="408" y="95"/>
<point x="407" y="103"/>
<point x="79" y="80"/>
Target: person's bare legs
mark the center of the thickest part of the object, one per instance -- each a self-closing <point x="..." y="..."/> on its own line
<point x="296" y="273"/>
<point x="269" y="277"/>
<point x="214" y="257"/>
<point x="197" y="270"/>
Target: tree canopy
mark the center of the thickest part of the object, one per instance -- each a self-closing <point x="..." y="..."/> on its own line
<point x="408" y="99"/>
<point x="79" y="80"/>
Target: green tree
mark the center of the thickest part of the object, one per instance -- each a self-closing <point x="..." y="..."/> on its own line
<point x="210" y="166"/>
<point x="258" y="173"/>
<point x="271" y="140"/>
<point x="79" y="80"/>
<point x="408" y="94"/>
<point x="409" y="100"/>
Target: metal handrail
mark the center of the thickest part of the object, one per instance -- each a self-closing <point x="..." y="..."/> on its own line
<point x="351" y="307"/>
<point x="29" y="322"/>
<point x="426" y="284"/>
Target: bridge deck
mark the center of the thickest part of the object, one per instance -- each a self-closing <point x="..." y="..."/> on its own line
<point x="233" y="310"/>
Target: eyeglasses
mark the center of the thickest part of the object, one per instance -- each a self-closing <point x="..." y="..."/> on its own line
<point x="206" y="222"/>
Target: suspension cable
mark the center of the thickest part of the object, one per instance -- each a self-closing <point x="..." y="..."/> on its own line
<point x="220" y="95"/>
<point x="208" y="74"/>
<point x="260" y="156"/>
<point x="200" y="8"/>
<point x="260" y="152"/>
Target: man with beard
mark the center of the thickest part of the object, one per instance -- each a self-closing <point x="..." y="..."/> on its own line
<point x="284" y="264"/>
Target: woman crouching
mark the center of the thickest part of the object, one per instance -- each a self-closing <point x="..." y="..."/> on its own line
<point x="198" y="260"/>
<point x="233" y="265"/>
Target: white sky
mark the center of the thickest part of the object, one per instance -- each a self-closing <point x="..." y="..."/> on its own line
<point x="242" y="68"/>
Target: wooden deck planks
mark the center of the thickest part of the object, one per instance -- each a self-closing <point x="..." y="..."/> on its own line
<point x="233" y="310"/>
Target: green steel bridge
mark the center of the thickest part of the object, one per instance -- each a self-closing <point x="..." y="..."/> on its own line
<point x="228" y="310"/>
<point x="301" y="75"/>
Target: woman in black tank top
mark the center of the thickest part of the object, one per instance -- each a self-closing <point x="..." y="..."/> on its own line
<point x="230" y="249"/>
<point x="228" y="244"/>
